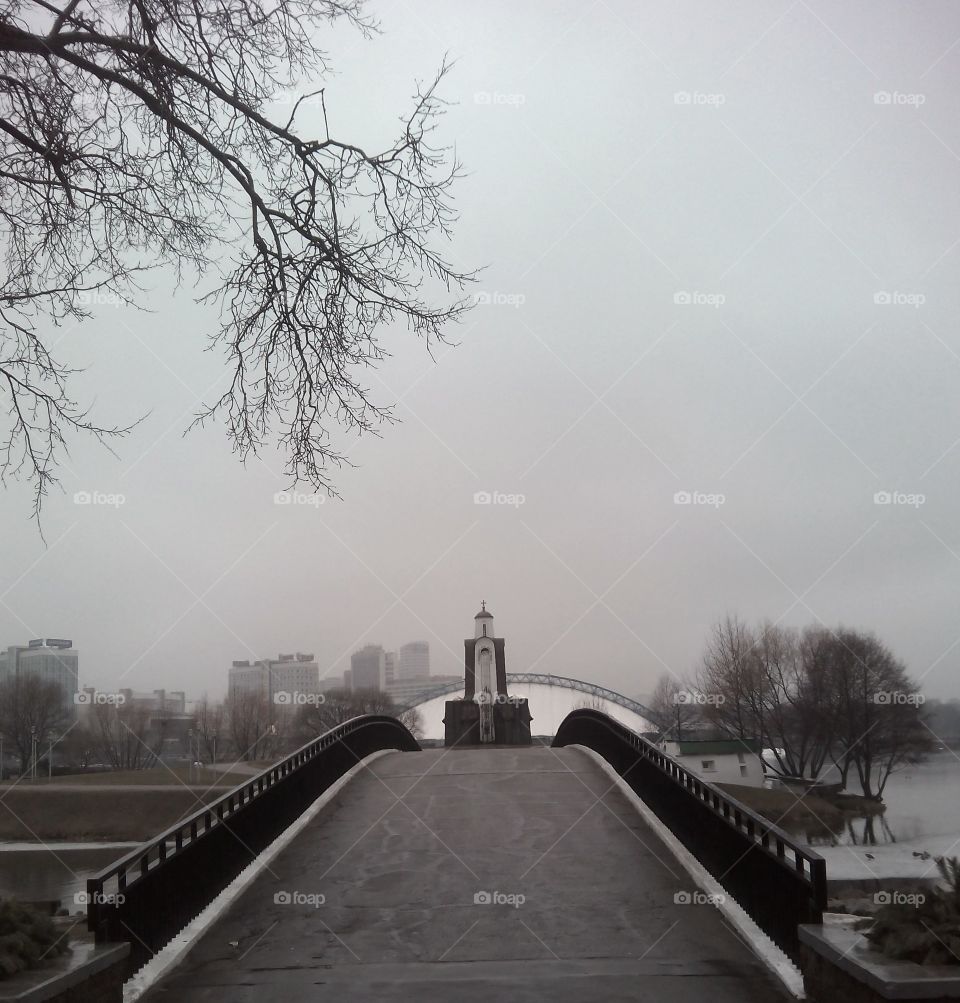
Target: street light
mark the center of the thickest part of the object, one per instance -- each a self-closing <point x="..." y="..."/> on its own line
<point x="53" y="738"/>
<point x="33" y="753"/>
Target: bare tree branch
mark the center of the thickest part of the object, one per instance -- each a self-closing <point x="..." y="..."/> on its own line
<point x="138" y="133"/>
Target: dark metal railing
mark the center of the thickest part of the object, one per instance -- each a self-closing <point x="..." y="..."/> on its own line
<point x="779" y="882"/>
<point x="148" y="896"/>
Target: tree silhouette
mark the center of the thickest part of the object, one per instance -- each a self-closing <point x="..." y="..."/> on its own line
<point x="138" y="133"/>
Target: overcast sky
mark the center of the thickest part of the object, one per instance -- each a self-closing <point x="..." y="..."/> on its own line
<point x="721" y="250"/>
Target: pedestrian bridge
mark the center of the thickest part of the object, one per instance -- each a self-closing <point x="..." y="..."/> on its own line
<point x="468" y="874"/>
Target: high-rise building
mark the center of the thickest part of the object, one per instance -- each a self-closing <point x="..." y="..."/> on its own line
<point x="248" y="677"/>
<point x="51" y="659"/>
<point x="390" y="668"/>
<point x="414" y="660"/>
<point x="281" y="680"/>
<point x="368" y="668"/>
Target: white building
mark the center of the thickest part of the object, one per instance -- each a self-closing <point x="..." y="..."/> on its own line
<point x="722" y="761"/>
<point x="52" y="659"/>
<point x="284" y="680"/>
<point x="248" y="677"/>
<point x="414" y="660"/>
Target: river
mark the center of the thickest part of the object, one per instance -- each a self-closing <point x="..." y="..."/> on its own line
<point x="923" y="803"/>
<point x="55" y="872"/>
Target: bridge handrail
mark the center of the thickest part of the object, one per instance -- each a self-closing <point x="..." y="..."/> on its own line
<point x="113" y="886"/>
<point x="805" y="876"/>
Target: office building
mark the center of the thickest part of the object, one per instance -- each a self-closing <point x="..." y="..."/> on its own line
<point x="414" y="660"/>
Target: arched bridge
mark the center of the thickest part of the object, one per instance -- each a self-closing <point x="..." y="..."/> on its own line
<point x="478" y="873"/>
<point x="547" y="679"/>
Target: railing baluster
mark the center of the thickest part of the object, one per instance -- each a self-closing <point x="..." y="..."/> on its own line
<point x="747" y="859"/>
<point x="150" y="919"/>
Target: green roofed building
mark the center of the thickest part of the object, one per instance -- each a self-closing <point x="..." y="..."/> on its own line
<point x="723" y="761"/>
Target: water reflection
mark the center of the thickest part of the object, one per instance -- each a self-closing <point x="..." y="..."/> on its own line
<point x="921" y="802"/>
<point x="52" y="875"/>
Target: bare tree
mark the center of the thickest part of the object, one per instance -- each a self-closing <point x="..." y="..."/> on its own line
<point x="731" y="681"/>
<point x="31" y="709"/>
<point x="209" y="725"/>
<point x="873" y="708"/>
<point x="251" y="723"/>
<point x="121" y="734"/>
<point x="813" y="695"/>
<point x="793" y="725"/>
<point x="340" y="705"/>
<point x="137" y="135"/>
<point x="676" y="714"/>
<point x="412" y="720"/>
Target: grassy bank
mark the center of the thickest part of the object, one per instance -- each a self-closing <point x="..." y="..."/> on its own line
<point x="161" y="776"/>
<point x="33" y="814"/>
<point x="788" y="809"/>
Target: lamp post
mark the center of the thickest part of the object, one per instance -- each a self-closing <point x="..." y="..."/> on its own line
<point x="33" y="753"/>
<point x="50" y="741"/>
<point x="214" y="750"/>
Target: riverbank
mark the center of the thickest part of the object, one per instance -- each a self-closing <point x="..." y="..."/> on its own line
<point x="156" y="777"/>
<point x="803" y="813"/>
<point x="876" y="865"/>
<point x="96" y="814"/>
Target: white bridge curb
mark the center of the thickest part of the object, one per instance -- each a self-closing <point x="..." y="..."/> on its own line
<point x="758" y="942"/>
<point x="172" y="954"/>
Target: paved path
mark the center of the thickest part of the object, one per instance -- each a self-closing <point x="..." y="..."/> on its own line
<point x="398" y="858"/>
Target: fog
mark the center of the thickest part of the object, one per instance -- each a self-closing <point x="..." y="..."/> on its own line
<point x="712" y="370"/>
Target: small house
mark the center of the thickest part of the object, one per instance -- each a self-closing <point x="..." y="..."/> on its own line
<point x="722" y="761"/>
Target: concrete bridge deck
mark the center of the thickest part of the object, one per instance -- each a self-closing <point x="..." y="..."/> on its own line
<point x="398" y="858"/>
